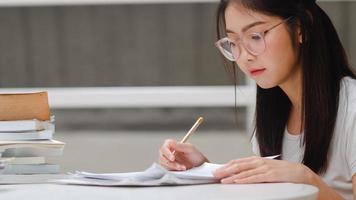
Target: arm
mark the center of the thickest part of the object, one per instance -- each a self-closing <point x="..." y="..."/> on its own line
<point x="325" y="192"/>
<point x="260" y="170"/>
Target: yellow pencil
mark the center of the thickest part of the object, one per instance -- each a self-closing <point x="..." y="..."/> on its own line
<point x="192" y="130"/>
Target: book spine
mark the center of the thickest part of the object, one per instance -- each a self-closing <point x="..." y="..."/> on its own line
<point x="31" y="169"/>
<point x="36" y="135"/>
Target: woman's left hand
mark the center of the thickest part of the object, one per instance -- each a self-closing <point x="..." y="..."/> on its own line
<point x="259" y="170"/>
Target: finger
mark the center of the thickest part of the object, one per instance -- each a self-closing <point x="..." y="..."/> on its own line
<point x="241" y="160"/>
<point x="171" y="165"/>
<point x="225" y="171"/>
<point x="243" y="175"/>
<point x="258" y="178"/>
<point x="167" y="153"/>
<point x="167" y="149"/>
<point x="237" y="168"/>
<point x="246" y="159"/>
<point x="183" y="160"/>
<point x="182" y="147"/>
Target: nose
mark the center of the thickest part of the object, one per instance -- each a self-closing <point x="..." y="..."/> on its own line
<point x="245" y="55"/>
<point x="245" y="58"/>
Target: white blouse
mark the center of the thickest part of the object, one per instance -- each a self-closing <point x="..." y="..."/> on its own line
<point x="342" y="160"/>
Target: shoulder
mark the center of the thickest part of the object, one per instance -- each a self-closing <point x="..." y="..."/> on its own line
<point x="347" y="98"/>
<point x="348" y="89"/>
<point x="348" y="108"/>
<point x="346" y="119"/>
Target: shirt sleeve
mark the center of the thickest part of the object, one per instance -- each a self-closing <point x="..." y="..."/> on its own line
<point x="348" y="104"/>
<point x="352" y="143"/>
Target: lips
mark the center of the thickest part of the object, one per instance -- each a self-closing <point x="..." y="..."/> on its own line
<point x="256" y="71"/>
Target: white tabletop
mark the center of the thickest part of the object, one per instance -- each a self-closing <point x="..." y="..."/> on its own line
<point x="273" y="191"/>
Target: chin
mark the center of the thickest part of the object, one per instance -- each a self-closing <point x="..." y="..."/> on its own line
<point x="266" y="84"/>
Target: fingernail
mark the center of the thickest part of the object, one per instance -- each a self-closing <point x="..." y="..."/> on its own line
<point x="236" y="181"/>
<point x="182" y="167"/>
<point x="171" y="158"/>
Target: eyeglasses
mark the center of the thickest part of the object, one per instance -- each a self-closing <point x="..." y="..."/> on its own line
<point x="254" y="43"/>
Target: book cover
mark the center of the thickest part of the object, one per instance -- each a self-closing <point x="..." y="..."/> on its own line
<point x="24" y="106"/>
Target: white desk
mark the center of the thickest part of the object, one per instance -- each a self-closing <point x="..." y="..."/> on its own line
<point x="213" y="191"/>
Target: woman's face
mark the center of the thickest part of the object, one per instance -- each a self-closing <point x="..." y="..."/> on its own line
<point x="279" y="61"/>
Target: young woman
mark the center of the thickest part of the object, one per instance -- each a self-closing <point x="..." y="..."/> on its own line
<point x="306" y="97"/>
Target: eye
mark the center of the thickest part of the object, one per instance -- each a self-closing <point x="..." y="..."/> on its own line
<point x="255" y="37"/>
<point x="232" y="44"/>
<point x="228" y="45"/>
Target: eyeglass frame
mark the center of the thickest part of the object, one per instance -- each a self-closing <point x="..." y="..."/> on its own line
<point x="261" y="34"/>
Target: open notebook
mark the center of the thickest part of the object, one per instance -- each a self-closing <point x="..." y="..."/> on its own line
<point x="155" y="175"/>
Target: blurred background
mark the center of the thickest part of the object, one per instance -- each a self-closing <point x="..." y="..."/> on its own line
<point x="131" y="44"/>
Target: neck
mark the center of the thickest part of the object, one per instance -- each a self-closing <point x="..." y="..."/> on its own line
<point x="293" y="89"/>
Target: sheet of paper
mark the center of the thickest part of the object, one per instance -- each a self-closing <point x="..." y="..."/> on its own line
<point x="152" y="173"/>
<point x="154" y="176"/>
<point x="205" y="171"/>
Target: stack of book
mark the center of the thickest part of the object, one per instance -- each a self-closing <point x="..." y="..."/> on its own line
<point x="26" y="134"/>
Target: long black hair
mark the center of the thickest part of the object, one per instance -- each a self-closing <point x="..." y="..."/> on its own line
<point x="324" y="63"/>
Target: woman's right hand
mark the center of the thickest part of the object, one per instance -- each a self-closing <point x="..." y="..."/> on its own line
<point x="185" y="156"/>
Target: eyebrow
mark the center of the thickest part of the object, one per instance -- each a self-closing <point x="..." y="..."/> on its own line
<point x="244" y="29"/>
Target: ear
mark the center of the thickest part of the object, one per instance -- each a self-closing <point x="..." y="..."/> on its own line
<point x="300" y="36"/>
